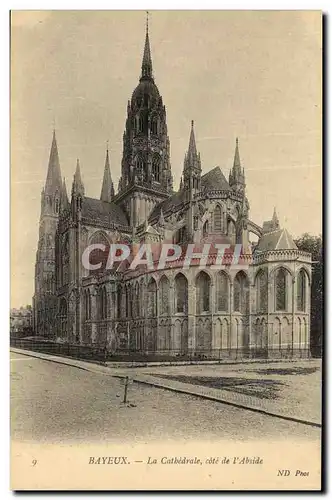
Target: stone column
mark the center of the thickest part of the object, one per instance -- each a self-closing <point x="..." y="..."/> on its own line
<point x="231" y="329"/>
<point x="252" y="291"/>
<point x="212" y="306"/>
<point x="191" y="317"/>
<point x="172" y="309"/>
<point x="94" y="315"/>
<point x="308" y="317"/>
<point x="293" y="289"/>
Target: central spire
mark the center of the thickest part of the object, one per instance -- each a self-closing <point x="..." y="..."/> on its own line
<point x="147" y="61"/>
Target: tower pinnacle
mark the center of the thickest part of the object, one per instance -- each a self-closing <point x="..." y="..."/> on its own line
<point x="107" y="189"/>
<point x="236" y="175"/>
<point x="77" y="187"/>
<point x="64" y="203"/>
<point x="53" y="179"/>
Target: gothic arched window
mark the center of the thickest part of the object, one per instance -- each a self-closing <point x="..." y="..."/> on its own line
<point x="63" y="317"/>
<point x="301" y="290"/>
<point x="280" y="290"/>
<point x="64" y="269"/>
<point x="154" y="126"/>
<point x="241" y="293"/>
<point x="202" y="293"/>
<point x="152" y="298"/>
<point x="136" y="301"/>
<point x="102" y="303"/>
<point x="140" y="123"/>
<point x="164" y="295"/>
<point x="118" y="303"/>
<point x="88" y="304"/>
<point x="261" y="291"/>
<point x="217" y="218"/>
<point x="206" y="228"/>
<point x="222" y="291"/>
<point x="181" y="294"/>
<point x="128" y="301"/>
<point x="156" y="168"/>
<point x="180" y="235"/>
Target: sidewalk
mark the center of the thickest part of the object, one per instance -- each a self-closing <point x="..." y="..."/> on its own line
<point x="249" y="386"/>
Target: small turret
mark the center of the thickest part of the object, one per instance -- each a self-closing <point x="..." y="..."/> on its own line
<point x="236" y="175"/>
<point x="78" y="186"/>
<point x="192" y="165"/>
<point x="64" y="203"/>
<point x="107" y="190"/>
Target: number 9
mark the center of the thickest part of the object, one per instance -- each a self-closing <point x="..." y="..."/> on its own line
<point x="34" y="462"/>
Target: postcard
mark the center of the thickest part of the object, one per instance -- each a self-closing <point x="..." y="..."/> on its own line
<point x="166" y="250"/>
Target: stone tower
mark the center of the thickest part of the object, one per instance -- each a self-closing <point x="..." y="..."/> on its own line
<point x="146" y="177"/>
<point x="44" y="299"/>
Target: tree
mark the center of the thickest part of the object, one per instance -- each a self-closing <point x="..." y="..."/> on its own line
<point x="314" y="245"/>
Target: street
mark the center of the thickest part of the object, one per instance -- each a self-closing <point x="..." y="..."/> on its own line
<point x="54" y="403"/>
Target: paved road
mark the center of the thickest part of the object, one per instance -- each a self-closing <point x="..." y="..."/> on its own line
<point x="51" y="402"/>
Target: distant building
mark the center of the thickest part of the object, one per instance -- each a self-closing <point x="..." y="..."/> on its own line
<point x="262" y="309"/>
<point x="21" y="321"/>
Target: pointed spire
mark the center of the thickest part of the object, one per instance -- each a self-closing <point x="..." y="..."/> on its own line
<point x="192" y="151"/>
<point x="64" y="203"/>
<point x="147" y="61"/>
<point x="237" y="161"/>
<point x="192" y="160"/>
<point x="236" y="174"/>
<point x="107" y="190"/>
<point x="77" y="187"/>
<point x="53" y="179"/>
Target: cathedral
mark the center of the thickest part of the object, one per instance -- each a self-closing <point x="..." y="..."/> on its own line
<point x="259" y="307"/>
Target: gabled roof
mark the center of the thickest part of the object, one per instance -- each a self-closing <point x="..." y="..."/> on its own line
<point x="176" y="199"/>
<point x="106" y="212"/>
<point x="276" y="240"/>
<point x="214" y="180"/>
<point x="211" y="181"/>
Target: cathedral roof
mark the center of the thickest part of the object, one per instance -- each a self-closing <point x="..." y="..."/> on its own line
<point x="103" y="211"/>
<point x="276" y="240"/>
<point x="174" y="200"/>
<point x="211" y="181"/>
<point x="214" y="180"/>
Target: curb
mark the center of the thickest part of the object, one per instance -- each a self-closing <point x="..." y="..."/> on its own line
<point x="105" y="370"/>
<point x="223" y="401"/>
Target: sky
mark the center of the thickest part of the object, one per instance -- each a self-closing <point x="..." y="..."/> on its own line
<point x="255" y="75"/>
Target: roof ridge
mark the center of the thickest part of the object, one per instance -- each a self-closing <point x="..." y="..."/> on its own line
<point x="281" y="233"/>
<point x="212" y="170"/>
